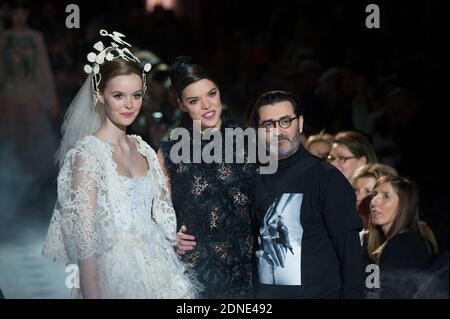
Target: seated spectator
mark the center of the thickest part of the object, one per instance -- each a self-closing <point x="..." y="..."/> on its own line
<point x="395" y="242"/>
<point x="320" y="144"/>
<point x="363" y="180"/>
<point x="350" y="151"/>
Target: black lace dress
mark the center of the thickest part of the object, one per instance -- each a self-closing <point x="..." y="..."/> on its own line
<point x="213" y="200"/>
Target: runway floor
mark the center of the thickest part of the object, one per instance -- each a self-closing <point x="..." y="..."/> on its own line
<point x="24" y="273"/>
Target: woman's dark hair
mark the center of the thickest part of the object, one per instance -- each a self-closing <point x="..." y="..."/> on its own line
<point x="407" y="214"/>
<point x="270" y="98"/>
<point x="358" y="145"/>
<point x="185" y="71"/>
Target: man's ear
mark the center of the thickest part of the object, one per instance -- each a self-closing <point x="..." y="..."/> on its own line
<point x="100" y="98"/>
<point x="181" y="105"/>
<point x="300" y="124"/>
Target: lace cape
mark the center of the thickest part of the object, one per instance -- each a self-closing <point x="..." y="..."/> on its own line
<point x="89" y="193"/>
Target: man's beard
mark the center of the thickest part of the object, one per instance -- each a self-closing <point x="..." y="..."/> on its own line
<point x="291" y="145"/>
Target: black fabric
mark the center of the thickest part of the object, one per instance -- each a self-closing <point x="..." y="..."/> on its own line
<point x="330" y="258"/>
<point x="347" y="246"/>
<point x="403" y="264"/>
<point x="269" y="193"/>
<point x="435" y="285"/>
<point x="213" y="201"/>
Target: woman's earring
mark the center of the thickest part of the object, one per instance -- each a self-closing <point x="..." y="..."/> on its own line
<point x="99" y="98"/>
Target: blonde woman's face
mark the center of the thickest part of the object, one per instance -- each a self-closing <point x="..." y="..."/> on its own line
<point x="384" y="206"/>
<point x="363" y="188"/>
<point x="320" y="149"/>
<point x="122" y="98"/>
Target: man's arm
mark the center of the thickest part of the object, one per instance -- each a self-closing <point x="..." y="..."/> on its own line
<point x="343" y="225"/>
<point x="351" y="261"/>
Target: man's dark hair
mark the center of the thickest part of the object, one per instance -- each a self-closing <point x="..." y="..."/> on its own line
<point x="270" y="98"/>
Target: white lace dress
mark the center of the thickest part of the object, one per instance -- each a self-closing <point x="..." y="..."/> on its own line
<point x="126" y="224"/>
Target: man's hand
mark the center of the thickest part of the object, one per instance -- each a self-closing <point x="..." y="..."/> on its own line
<point x="185" y="242"/>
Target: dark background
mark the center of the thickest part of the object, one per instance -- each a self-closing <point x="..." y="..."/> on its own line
<point x="321" y="50"/>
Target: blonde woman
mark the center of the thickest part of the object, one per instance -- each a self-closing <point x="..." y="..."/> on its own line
<point x="320" y="144"/>
<point x="114" y="218"/>
<point x="363" y="180"/>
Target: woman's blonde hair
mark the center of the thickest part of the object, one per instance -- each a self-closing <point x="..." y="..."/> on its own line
<point x="111" y="69"/>
<point x="117" y="67"/>
<point x="372" y="170"/>
<point x="321" y="137"/>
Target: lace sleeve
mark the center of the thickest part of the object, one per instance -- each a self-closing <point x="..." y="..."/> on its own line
<point x="162" y="211"/>
<point x="79" y="208"/>
<point x="72" y="234"/>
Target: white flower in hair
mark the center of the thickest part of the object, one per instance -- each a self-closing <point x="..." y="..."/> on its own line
<point x="99" y="46"/>
<point x="109" y="57"/>
<point x="87" y="69"/>
<point x="147" y="67"/>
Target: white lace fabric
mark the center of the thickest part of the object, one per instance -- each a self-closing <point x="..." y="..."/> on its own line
<point x="127" y="225"/>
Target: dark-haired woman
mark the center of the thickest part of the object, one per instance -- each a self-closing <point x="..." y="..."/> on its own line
<point x="211" y="200"/>
<point x="350" y="151"/>
<point x="396" y="241"/>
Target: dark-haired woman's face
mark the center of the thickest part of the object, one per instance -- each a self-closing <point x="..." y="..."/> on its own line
<point x="344" y="160"/>
<point x="201" y="100"/>
<point x="384" y="206"/>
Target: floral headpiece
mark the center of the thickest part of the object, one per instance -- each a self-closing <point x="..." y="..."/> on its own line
<point x="118" y="49"/>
